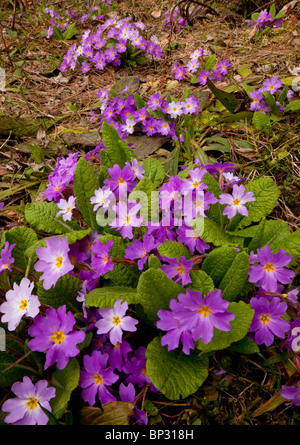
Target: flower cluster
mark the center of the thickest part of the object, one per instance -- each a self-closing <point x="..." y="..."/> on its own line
<point x="264" y="19"/>
<point x="193" y="317"/>
<point x="274" y="87"/>
<point x="197" y="66"/>
<point x="108" y="43"/>
<point x="173" y="18"/>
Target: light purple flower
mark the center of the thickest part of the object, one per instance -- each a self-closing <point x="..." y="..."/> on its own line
<point x="102" y="198"/>
<point x="126" y="218"/>
<point x="179" y="269"/>
<point x="201" y="315"/>
<point x="95" y="378"/>
<point x="271" y="269"/>
<point x="101" y="260"/>
<point x="136" y="369"/>
<point x="141" y="249"/>
<point x="236" y="201"/>
<point x="291" y="393"/>
<point x="25" y="409"/>
<point x="136" y="168"/>
<point x="267" y="320"/>
<point x="19" y="301"/>
<point x="53" y="260"/>
<point x="272" y="85"/>
<point x="6" y="258"/>
<point x="54" y="333"/>
<point x="127" y="394"/>
<point x="114" y="321"/>
<point x="66" y="208"/>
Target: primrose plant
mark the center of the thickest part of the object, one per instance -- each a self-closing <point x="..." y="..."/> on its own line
<point x="119" y="249"/>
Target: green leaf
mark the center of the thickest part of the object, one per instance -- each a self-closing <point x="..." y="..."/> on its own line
<point x="244" y="346"/>
<point x="142" y="193"/>
<point x="154" y="262"/>
<point x="282" y="96"/>
<point x="293" y="106"/>
<point x="154" y="170"/>
<point x="117" y="151"/>
<point x="210" y="62"/>
<point x="290" y="243"/>
<point x="112" y="413"/>
<point x="209" y="231"/>
<point x="70" y="32"/>
<point x="229" y="101"/>
<point x="228" y="269"/>
<point x="240" y="326"/>
<point x="58" y="33"/>
<point x="64" y="292"/>
<point x="173" y="249"/>
<point x="64" y="381"/>
<point x="105" y="297"/>
<point x="24" y="237"/>
<point x="139" y="103"/>
<point x="154" y="292"/>
<point x="16" y="371"/>
<point x="266" y="192"/>
<point x="173" y="372"/>
<point x="201" y="282"/>
<point x="42" y="216"/>
<point x="52" y="419"/>
<point x="268" y="232"/>
<point x="260" y="120"/>
<point x="85" y="184"/>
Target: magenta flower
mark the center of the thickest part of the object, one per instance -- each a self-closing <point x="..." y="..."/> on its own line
<point x="136" y="369"/>
<point x="53" y="260"/>
<point x="236" y="201"/>
<point x="271" y="269"/>
<point x="6" y="259"/>
<point x="126" y="218"/>
<point x="267" y="320"/>
<point x="155" y="101"/>
<point x="189" y="238"/>
<point x="141" y="249"/>
<point x="291" y="393"/>
<point x="114" y="322"/>
<point x="121" y="180"/>
<point x="203" y="76"/>
<point x="194" y="183"/>
<point x="127" y="394"/>
<point x="25" y="409"/>
<point x="19" y="302"/>
<point x="201" y="315"/>
<point x="96" y="377"/>
<point x="272" y="85"/>
<point x="179" y="269"/>
<point x="54" y="333"/>
<point x="118" y="355"/>
<point x="101" y="261"/>
<point x="175" y="332"/>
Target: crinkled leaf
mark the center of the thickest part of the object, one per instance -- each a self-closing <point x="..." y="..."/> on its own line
<point x="42" y="216"/>
<point x="105" y="297"/>
<point x="117" y="151"/>
<point x="24" y="237"/>
<point x="64" y="381"/>
<point x="154" y="170"/>
<point x="154" y="292"/>
<point x="64" y="292"/>
<point x="112" y="413"/>
<point x="85" y="184"/>
<point x="173" y="372"/>
<point x="173" y="249"/>
<point x="201" y="282"/>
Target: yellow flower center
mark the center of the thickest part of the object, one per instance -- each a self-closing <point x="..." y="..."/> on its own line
<point x="117" y="346"/>
<point x="236" y="202"/>
<point x="127" y="219"/>
<point x="144" y="372"/>
<point x="5" y="266"/>
<point x="59" y="261"/>
<point x="264" y="318"/>
<point x="196" y="184"/>
<point x="68" y="209"/>
<point x="105" y="259"/>
<point x="116" y="320"/>
<point x="204" y="310"/>
<point x="198" y="203"/>
<point x="23" y="305"/>
<point x="57" y="188"/>
<point x="181" y="270"/>
<point x="144" y="254"/>
<point x="98" y="379"/>
<point x="58" y="337"/>
<point x="32" y="403"/>
<point x="121" y="181"/>
<point x="269" y="267"/>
